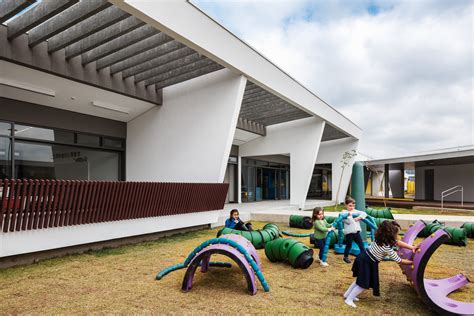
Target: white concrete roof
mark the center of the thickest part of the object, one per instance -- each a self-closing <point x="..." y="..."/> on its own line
<point x="186" y="23"/>
<point x="455" y="152"/>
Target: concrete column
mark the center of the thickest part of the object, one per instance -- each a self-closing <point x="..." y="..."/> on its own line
<point x="300" y="139"/>
<point x="188" y="138"/>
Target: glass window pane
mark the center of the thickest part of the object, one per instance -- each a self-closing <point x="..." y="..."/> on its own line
<point x="63" y="137"/>
<point x="5" y="128"/>
<point x="5" y="155"/>
<point x="46" y="161"/>
<point x="34" y="132"/>
<point x="85" y="139"/>
<point x="112" y="142"/>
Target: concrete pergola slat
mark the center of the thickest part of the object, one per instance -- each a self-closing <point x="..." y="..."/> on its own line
<point x="10" y="8"/>
<point x="260" y="98"/>
<point x="109" y="33"/>
<point x="264" y="101"/>
<point x="65" y="20"/>
<point x="119" y="43"/>
<point x="168" y="62"/>
<point x="269" y="111"/>
<point x="189" y="75"/>
<point x="87" y="27"/>
<point x="145" y="56"/>
<point x="34" y="17"/>
<point x="132" y="50"/>
<point x="203" y="62"/>
<point x="147" y="70"/>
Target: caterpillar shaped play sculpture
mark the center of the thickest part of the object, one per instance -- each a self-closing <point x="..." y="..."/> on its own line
<point x="258" y="238"/>
<point x="236" y="247"/>
<point x="289" y="250"/>
<point x="434" y="293"/>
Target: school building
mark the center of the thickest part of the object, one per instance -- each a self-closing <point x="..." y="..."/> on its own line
<point x="160" y="112"/>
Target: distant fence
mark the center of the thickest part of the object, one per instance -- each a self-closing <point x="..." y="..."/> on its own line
<point x="40" y="204"/>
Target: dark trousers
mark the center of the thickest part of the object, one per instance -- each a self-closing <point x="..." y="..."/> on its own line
<point x="353" y="237"/>
<point x="242" y="226"/>
<point x="320" y="243"/>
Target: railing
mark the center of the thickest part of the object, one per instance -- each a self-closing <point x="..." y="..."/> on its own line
<point x="40" y="204"/>
<point x="457" y="188"/>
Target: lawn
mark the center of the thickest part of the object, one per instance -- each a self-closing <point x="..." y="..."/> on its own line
<point x="121" y="280"/>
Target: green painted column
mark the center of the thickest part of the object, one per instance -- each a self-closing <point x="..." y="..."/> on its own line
<point x="358" y="192"/>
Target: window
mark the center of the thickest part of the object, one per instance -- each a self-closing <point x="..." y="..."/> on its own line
<point x="5" y="157"/>
<point x="86" y="139"/>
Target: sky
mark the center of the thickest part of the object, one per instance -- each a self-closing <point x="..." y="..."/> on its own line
<point x="401" y="70"/>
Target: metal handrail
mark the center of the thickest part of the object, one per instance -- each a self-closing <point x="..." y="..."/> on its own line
<point x="457" y="188"/>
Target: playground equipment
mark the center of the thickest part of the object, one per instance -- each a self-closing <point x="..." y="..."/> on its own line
<point x="469" y="228"/>
<point x="233" y="246"/>
<point x="299" y="221"/>
<point x="457" y="236"/>
<point x="289" y="250"/>
<point x="382" y="213"/>
<point x="258" y="238"/>
<point x="432" y="292"/>
<point x="339" y="246"/>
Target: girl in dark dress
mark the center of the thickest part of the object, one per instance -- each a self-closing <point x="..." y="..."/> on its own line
<point x="366" y="265"/>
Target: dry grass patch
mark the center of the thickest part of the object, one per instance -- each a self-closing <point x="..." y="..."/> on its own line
<point x="121" y="280"/>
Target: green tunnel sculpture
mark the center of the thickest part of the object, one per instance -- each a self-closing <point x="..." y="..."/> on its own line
<point x="258" y="238"/>
<point x="458" y="236"/>
<point x="299" y="221"/>
<point x="289" y="250"/>
<point x="383" y="213"/>
<point x="469" y="229"/>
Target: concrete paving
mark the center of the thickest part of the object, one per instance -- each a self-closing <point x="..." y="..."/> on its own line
<point x="280" y="211"/>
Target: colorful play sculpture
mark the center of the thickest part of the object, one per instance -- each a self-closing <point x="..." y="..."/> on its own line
<point x="289" y="250"/>
<point x="233" y="246"/>
<point x="258" y="238"/>
<point x="434" y="293"/>
<point x="299" y="221"/>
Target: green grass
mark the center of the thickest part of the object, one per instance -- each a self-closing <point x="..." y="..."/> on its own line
<point x="396" y="210"/>
<point x="121" y="281"/>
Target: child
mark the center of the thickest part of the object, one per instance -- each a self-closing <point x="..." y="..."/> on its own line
<point x="235" y="222"/>
<point x="321" y="229"/>
<point x="366" y="265"/>
<point x="352" y="227"/>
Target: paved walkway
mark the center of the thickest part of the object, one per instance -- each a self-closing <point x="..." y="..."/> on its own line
<point x="280" y="211"/>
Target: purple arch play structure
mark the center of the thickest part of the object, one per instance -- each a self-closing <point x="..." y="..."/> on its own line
<point x="433" y="292"/>
<point x="202" y="258"/>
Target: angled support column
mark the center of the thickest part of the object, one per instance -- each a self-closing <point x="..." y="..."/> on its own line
<point x="300" y="139"/>
<point x="189" y="137"/>
<point x="331" y="152"/>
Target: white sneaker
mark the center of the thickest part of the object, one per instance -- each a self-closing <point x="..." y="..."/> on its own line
<point x="356" y="299"/>
<point x="323" y="264"/>
<point x="350" y="303"/>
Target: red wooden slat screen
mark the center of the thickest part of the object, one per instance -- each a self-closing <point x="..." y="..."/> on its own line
<point x="41" y="204"/>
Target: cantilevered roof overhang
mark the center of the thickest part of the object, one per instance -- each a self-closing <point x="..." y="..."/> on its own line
<point x="185" y="22"/>
<point x="137" y="48"/>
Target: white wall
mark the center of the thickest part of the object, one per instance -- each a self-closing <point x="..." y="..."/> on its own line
<point x="446" y="177"/>
<point x="331" y="152"/>
<point x="15" y="243"/>
<point x="300" y="139"/>
<point x="189" y="137"/>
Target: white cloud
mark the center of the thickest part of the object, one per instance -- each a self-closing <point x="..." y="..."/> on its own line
<point x="404" y="75"/>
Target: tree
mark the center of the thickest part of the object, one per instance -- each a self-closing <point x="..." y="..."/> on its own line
<point x="346" y="159"/>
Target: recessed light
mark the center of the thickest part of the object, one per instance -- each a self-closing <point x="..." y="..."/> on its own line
<point x="111" y="107"/>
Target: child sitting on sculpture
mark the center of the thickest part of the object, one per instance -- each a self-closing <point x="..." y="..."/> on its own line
<point x="352" y="227"/>
<point x="366" y="265"/>
<point x="321" y="229"/>
<point x="235" y="222"/>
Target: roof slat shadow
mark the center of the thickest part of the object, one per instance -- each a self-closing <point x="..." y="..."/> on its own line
<point x="34" y="17"/>
<point x="87" y="27"/>
<point x="331" y="133"/>
<point x="203" y="62"/>
<point x="189" y="75"/>
<point x="65" y="20"/>
<point x="103" y="36"/>
<point x="10" y="8"/>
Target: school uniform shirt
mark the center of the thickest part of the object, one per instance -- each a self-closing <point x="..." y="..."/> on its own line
<point x="321" y="229"/>
<point x="352" y="226"/>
